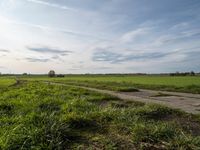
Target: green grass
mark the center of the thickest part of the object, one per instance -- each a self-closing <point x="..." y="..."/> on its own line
<point x="36" y="115"/>
<point x="144" y="80"/>
<point x="119" y="83"/>
<point x="128" y="83"/>
<point x="5" y="82"/>
<point x="136" y="79"/>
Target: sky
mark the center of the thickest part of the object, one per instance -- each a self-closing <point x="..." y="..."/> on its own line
<point x="99" y="36"/>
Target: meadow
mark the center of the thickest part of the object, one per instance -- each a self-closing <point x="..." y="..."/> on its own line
<point x="4" y="82"/>
<point x="188" y="84"/>
<point x="37" y="115"/>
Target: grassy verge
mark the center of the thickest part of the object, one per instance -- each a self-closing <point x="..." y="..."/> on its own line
<point x="34" y="115"/>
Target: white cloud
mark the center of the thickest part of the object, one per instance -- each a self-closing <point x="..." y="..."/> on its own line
<point x="179" y="26"/>
<point x="132" y="35"/>
<point x="52" y="5"/>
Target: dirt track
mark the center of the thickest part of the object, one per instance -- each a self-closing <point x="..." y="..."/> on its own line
<point x="184" y="101"/>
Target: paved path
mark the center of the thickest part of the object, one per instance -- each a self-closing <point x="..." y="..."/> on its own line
<point x="184" y="101"/>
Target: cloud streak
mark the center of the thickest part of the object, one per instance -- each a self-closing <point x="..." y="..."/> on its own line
<point x="61" y="30"/>
<point x="54" y="5"/>
<point x="37" y="60"/>
<point x="108" y="56"/>
<point x="49" y="50"/>
<point x="132" y="35"/>
<point x="4" y="50"/>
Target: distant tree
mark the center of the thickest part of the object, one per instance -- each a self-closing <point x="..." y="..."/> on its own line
<point x="192" y="73"/>
<point x="51" y="73"/>
<point x="60" y="75"/>
<point x="24" y="74"/>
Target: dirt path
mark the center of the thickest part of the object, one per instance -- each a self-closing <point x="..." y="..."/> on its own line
<point x="184" y="101"/>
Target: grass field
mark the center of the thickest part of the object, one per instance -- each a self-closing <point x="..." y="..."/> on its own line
<point x="188" y="84"/>
<point x="146" y="80"/>
<point x="5" y="82"/>
<point x="36" y="115"/>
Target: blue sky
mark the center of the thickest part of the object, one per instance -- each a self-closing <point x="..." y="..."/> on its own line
<point x="107" y="36"/>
